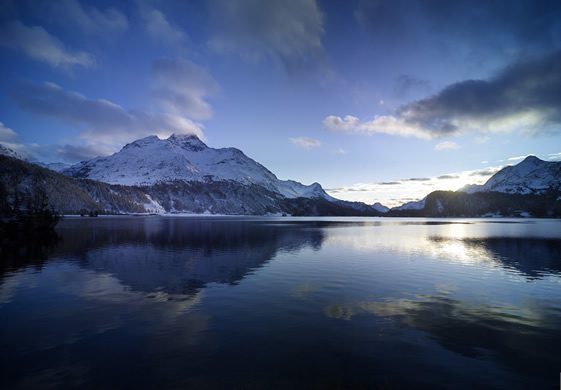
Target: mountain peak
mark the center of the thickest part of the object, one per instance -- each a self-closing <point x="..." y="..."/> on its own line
<point x="142" y="142"/>
<point x="185" y="158"/>
<point x="532" y="160"/>
<point x="530" y="176"/>
<point x="188" y="141"/>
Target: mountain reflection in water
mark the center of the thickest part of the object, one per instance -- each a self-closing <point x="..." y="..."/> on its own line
<point x="532" y="257"/>
<point x="176" y="256"/>
<point x="230" y="302"/>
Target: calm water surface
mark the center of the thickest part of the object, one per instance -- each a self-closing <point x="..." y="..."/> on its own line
<point x="171" y="302"/>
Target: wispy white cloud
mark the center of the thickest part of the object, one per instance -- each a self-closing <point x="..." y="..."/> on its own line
<point x="305" y="142"/>
<point x="89" y="19"/>
<point x="38" y="44"/>
<point x="446" y="145"/>
<point x="7" y="134"/>
<point x="517" y="158"/>
<point x="182" y="87"/>
<point x="159" y="27"/>
<point x="340" y="151"/>
<point x="103" y="124"/>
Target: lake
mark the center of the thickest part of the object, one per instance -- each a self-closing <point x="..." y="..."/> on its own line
<point x="232" y="302"/>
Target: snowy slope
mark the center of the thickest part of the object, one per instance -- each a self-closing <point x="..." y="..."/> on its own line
<point x="151" y="160"/>
<point x="531" y="176"/>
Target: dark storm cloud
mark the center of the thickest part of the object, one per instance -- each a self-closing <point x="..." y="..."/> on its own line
<point x="526" y="92"/>
<point x="525" y="96"/>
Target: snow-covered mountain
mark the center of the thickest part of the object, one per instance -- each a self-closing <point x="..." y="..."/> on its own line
<point x="151" y="160"/>
<point x="531" y="176"/>
<point x="6" y="151"/>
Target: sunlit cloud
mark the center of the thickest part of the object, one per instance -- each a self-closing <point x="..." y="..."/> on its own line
<point x="382" y="124"/>
<point x="395" y="193"/>
<point x="522" y="97"/>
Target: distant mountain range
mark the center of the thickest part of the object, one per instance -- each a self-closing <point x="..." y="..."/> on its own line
<point x="181" y="174"/>
<point x="530" y="188"/>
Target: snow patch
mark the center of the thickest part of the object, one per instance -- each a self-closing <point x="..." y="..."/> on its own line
<point x="153" y="207"/>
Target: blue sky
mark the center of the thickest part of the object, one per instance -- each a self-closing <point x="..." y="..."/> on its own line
<point x="376" y="100"/>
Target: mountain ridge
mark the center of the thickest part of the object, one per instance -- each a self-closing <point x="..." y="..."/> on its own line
<point x="182" y="174"/>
